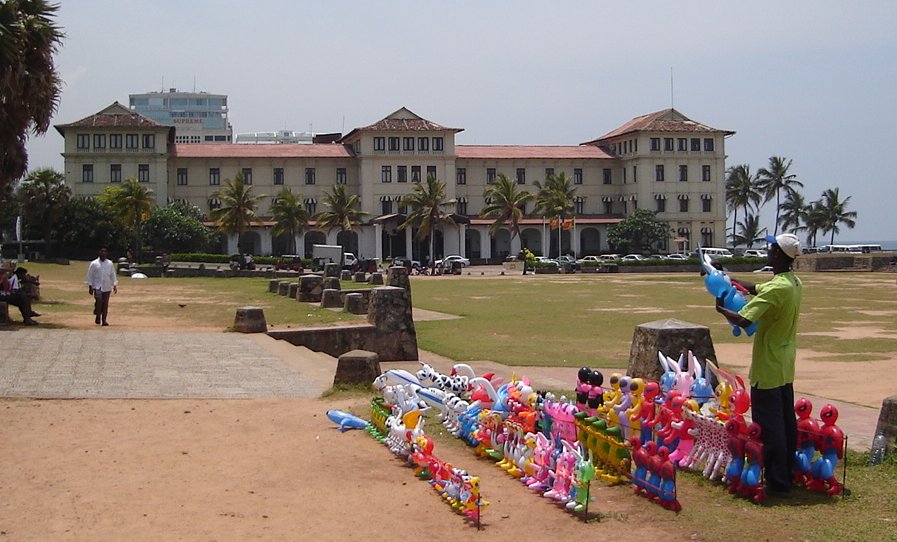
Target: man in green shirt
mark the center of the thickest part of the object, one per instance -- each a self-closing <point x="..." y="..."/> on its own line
<point x="775" y="306"/>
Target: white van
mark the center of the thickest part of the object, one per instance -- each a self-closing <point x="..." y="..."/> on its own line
<point x="716" y="253"/>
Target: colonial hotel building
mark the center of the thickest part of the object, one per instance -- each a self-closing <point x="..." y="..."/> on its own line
<point x="662" y="161"/>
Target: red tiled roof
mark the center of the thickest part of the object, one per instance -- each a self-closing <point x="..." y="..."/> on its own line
<point x="114" y="116"/>
<point x="402" y="120"/>
<point x="666" y="120"/>
<point x="286" y="150"/>
<point x="528" y="151"/>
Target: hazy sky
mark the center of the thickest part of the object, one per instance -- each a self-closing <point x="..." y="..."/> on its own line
<point x="814" y="81"/>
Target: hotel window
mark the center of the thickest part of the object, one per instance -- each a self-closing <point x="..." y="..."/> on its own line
<point x="708" y="144"/>
<point x="309" y="175"/>
<point x="341" y="177"/>
<point x="278" y="175"/>
<point x="682" y="144"/>
<point x="247" y="175"/>
<point x="705" y="173"/>
<point x="624" y="175"/>
<point x="115" y="173"/>
<point x="608" y="207"/>
<point x="635" y="174"/>
<point x="402" y="174"/>
<point x="99" y="141"/>
<point x="655" y="143"/>
<point x="635" y="145"/>
<point x="683" y="205"/>
<point x="461" y="175"/>
<point x="311" y="206"/>
<point x="143" y="173"/>
<point x="431" y="171"/>
<point x="393" y="144"/>
<point x="87" y="173"/>
<point x="683" y="173"/>
<point x="214" y="176"/>
<point x="438" y="143"/>
<point x="114" y="141"/>
<point x="149" y="141"/>
<point x="386" y="174"/>
<point x="461" y="207"/>
<point x="386" y="207"/>
<point x="83" y="141"/>
<point x="182" y="176"/>
<point x="706" y="204"/>
<point x="608" y="175"/>
<point x="579" y="207"/>
<point x="408" y="143"/>
<point x="490" y="175"/>
<point x="423" y="144"/>
<point x="696" y="144"/>
<point x="379" y="144"/>
<point x="131" y="141"/>
<point x="668" y="143"/>
<point x="549" y="171"/>
<point x="661" y="205"/>
<point x="415" y="174"/>
<point x="658" y="173"/>
<point x="577" y="175"/>
<point x="521" y="175"/>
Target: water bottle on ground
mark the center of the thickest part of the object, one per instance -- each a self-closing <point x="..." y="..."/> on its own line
<point x="879" y="448"/>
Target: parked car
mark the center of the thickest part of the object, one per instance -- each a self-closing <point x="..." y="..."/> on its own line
<point x="755" y="253"/>
<point x="349" y="260"/>
<point x="589" y="260"/>
<point x="633" y="258"/>
<point x="678" y="257"/>
<point x="546" y="260"/>
<point x="289" y="262"/>
<point x="657" y="257"/>
<point x="415" y="265"/>
<point x="610" y="257"/>
<point x="764" y="269"/>
<point x="454" y="258"/>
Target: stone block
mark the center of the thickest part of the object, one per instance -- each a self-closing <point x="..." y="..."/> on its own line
<point x="330" y="298"/>
<point x="377" y="278"/>
<point x="398" y="276"/>
<point x="345" y="274"/>
<point x="331" y="270"/>
<point x="273" y="285"/>
<point x="294" y="287"/>
<point x="887" y="421"/>
<point x="356" y="304"/>
<point x="672" y="337"/>
<point x="360" y="276"/>
<point x="357" y="367"/>
<point x="4" y="312"/>
<point x="250" y="320"/>
<point x="283" y="287"/>
<point x="310" y="288"/>
<point x="331" y="283"/>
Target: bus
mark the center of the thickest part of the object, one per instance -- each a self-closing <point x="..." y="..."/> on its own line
<point x="848" y="249"/>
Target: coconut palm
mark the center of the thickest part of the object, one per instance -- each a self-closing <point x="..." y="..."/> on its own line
<point x="238" y="205"/>
<point x="750" y="231"/>
<point x="289" y="215"/>
<point x="132" y="202"/>
<point x="815" y="221"/>
<point x="794" y="212"/>
<point x="43" y="197"/>
<point x="29" y="83"/>
<point x="430" y="208"/>
<point x="342" y="210"/>
<point x="506" y="204"/>
<point x="775" y="178"/>
<point x="835" y="212"/>
<point x="741" y="192"/>
<point x="554" y="199"/>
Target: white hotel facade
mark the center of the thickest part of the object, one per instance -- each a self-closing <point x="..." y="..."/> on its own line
<point x="662" y="161"/>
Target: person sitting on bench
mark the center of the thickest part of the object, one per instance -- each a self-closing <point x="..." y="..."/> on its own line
<point x="11" y="292"/>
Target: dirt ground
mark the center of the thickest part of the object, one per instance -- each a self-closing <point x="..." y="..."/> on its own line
<point x="219" y="470"/>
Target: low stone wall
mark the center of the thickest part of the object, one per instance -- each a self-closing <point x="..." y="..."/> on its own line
<point x="844" y="262"/>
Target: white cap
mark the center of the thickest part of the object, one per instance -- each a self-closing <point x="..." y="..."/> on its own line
<point x="788" y="242"/>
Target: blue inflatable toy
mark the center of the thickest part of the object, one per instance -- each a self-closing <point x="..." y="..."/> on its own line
<point x="720" y="286"/>
<point x="346" y="421"/>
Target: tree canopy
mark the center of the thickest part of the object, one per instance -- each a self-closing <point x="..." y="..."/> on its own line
<point x="238" y="205"/>
<point x="639" y="232"/>
<point x="505" y="203"/>
<point x="43" y="196"/>
<point x="430" y="208"/>
<point x="341" y="210"/>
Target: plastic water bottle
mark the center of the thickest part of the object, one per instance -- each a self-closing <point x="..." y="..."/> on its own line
<point x="879" y="448"/>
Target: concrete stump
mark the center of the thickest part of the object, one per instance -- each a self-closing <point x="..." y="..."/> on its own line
<point x="330" y="298"/>
<point x="310" y="288"/>
<point x="357" y="367"/>
<point x="294" y="287"/>
<point x="250" y="320"/>
<point x="283" y="287"/>
<point x="887" y="421"/>
<point x="360" y="276"/>
<point x="4" y="312"/>
<point x="331" y="270"/>
<point x="273" y="285"/>
<point x="377" y="278"/>
<point x="398" y="276"/>
<point x="331" y="283"/>
<point x="355" y="304"/>
<point x="672" y="337"/>
<point x="345" y="274"/>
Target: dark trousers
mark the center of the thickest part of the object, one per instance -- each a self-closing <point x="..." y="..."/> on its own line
<point x="101" y="305"/>
<point x="20" y="300"/>
<point x="773" y="409"/>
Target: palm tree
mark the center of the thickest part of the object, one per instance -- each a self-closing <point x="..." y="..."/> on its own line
<point x="289" y="215"/>
<point x="793" y="217"/>
<point x="554" y="199"/>
<point x="429" y="207"/>
<point x="342" y="210"/>
<point x="774" y="179"/>
<point x="751" y="232"/>
<point x="132" y="202"/>
<point x="835" y="212"/>
<point x="237" y="209"/>
<point x="505" y="204"/>
<point x="29" y="83"/>
<point x="43" y="196"/>
<point x="741" y="192"/>
<point x="815" y="221"/>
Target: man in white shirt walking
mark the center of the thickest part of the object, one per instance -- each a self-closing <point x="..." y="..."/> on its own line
<point x="101" y="283"/>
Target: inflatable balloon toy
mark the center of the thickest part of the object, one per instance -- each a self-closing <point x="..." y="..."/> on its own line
<point x="346" y="421"/>
<point x="720" y="286"/>
<point x="807" y="433"/>
<point x="751" y="485"/>
<point x="831" y="446"/>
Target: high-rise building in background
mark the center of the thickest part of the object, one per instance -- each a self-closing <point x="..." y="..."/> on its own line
<point x="199" y="117"/>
